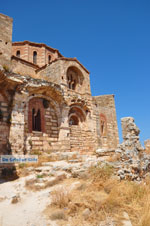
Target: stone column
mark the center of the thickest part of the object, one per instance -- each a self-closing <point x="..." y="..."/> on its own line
<point x="16" y="137"/>
<point x="64" y="132"/>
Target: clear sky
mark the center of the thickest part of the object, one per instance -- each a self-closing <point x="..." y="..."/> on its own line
<point x="111" y="38"/>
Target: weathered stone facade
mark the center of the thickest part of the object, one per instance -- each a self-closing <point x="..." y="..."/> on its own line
<point x="5" y="39"/>
<point x="46" y="102"/>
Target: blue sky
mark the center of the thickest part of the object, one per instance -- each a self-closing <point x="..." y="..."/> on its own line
<point x="111" y="38"/>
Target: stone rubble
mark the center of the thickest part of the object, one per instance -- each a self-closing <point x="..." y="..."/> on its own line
<point x="134" y="163"/>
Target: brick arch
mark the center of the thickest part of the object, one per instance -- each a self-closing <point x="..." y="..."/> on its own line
<point x="53" y="104"/>
<point x="49" y="119"/>
<point x="78" y="112"/>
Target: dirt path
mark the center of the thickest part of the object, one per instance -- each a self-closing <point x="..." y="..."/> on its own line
<point x="28" y="211"/>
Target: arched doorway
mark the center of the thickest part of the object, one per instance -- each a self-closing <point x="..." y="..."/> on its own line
<point x="76" y="119"/>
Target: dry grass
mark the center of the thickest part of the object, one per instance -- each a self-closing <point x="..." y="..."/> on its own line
<point x="101" y="173"/>
<point x="60" y="198"/>
<point x="55" y="181"/>
<point x="105" y="197"/>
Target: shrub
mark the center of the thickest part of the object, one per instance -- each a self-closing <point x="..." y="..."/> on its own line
<point x="39" y="176"/>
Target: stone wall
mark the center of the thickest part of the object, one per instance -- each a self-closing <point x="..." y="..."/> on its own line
<point x="23" y="68"/>
<point x="5" y="40"/>
<point x="105" y="112"/>
<point x="51" y="73"/>
<point x="57" y="72"/>
<point x="82" y="140"/>
<point x="4" y="126"/>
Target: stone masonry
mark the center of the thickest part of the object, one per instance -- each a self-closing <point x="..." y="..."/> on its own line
<point x="46" y="103"/>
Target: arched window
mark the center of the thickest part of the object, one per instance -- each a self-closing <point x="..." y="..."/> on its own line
<point x="76" y="115"/>
<point x="49" y="59"/>
<point x="72" y="81"/>
<point x="36" y="120"/>
<point x="74" y="77"/>
<point x="18" y="53"/>
<point x="36" y="115"/>
<point x="73" y="120"/>
<point x="103" y="125"/>
<point x="35" y="57"/>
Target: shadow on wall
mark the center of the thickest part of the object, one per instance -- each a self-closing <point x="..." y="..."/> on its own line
<point x="7" y="170"/>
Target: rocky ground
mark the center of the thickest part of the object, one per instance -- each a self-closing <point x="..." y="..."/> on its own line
<point x="28" y="200"/>
<point x="23" y="201"/>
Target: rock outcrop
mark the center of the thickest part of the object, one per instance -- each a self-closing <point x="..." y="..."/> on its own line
<point x="147" y="145"/>
<point x="134" y="163"/>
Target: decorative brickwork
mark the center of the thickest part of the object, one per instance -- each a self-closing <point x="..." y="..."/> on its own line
<point x="44" y="54"/>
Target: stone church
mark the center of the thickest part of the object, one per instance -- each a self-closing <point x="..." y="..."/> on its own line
<point x="46" y="103"/>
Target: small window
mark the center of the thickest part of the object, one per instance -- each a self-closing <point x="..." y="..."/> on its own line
<point x="35" y="57"/>
<point x="103" y="125"/>
<point x="36" y="120"/>
<point x="49" y="59"/>
<point x="18" y="53"/>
